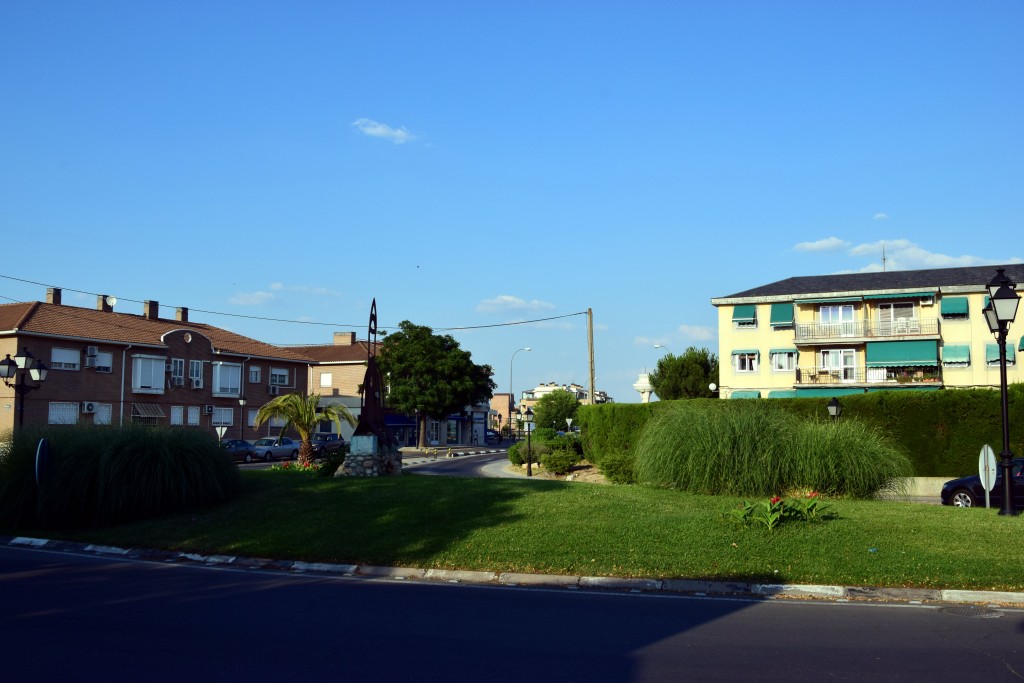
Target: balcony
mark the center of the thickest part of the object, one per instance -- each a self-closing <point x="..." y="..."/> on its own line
<point x="863" y="330"/>
<point x="869" y="377"/>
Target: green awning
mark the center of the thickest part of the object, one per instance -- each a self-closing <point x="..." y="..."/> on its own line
<point x="1021" y="346"/>
<point x="902" y="295"/>
<point x="841" y="300"/>
<point x="789" y="350"/>
<point x="745" y="394"/>
<point x="743" y="352"/>
<point x="895" y="354"/>
<point x="746" y="313"/>
<point x="904" y="387"/>
<point x="956" y="353"/>
<point x="953" y="305"/>
<point x="825" y="393"/>
<point x="782" y="315"/>
<point x="992" y="353"/>
<point x="782" y="393"/>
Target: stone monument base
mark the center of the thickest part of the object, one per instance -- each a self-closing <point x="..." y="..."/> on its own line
<point x="367" y="457"/>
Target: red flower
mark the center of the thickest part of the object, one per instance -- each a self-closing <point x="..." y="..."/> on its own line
<point x="775" y="499"/>
<point x="813" y="494"/>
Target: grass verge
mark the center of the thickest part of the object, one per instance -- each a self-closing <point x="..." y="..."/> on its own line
<point x="572" y="528"/>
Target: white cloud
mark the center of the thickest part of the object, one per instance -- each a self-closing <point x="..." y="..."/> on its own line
<point x="303" y="289"/>
<point x="376" y="129"/>
<point x="506" y="302"/>
<point x="902" y="254"/>
<point x="827" y="244"/>
<point x="251" y="298"/>
<point x="696" y="332"/>
<point x="881" y="217"/>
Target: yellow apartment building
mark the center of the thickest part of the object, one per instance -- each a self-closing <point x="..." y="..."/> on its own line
<point x="831" y="335"/>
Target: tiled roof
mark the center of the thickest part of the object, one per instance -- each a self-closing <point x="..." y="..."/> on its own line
<point x="123" y="328"/>
<point x="973" y="276"/>
<point x="334" y="353"/>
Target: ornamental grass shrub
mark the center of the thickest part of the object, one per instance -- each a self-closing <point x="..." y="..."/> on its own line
<point x="757" y="448"/>
<point x="96" y="476"/>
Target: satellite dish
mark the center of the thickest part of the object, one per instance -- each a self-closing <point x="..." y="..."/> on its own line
<point x="111" y="301"/>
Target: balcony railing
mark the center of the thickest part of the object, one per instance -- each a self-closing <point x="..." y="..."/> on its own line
<point x="814" y="375"/>
<point x="864" y="329"/>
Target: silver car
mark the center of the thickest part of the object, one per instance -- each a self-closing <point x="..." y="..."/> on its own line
<point x="268" y="449"/>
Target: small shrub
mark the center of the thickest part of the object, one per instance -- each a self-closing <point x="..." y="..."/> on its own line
<point x="618" y="468"/>
<point x="560" y="462"/>
<point x="537" y="449"/>
<point x="775" y="511"/>
<point x="543" y="434"/>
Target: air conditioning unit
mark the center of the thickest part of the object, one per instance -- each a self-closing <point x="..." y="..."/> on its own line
<point x="90" y="361"/>
<point x="88" y="407"/>
<point x="91" y="350"/>
<point x="167" y="368"/>
<point x="197" y="383"/>
<point x="178" y="381"/>
<point x="207" y="410"/>
<point x="274" y="390"/>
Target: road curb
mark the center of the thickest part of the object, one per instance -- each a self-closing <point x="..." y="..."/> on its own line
<point x="694" y="587"/>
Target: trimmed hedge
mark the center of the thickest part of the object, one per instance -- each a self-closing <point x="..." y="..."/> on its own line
<point x="942" y="432"/>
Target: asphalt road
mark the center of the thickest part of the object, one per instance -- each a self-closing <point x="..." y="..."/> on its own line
<point x="86" y="618"/>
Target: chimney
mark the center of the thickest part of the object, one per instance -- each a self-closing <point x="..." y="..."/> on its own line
<point x="344" y="338"/>
<point x="181" y="314"/>
<point x="53" y="296"/>
<point x="151" y="309"/>
<point x="103" y="303"/>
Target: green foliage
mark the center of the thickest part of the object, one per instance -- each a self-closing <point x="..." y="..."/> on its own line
<point x="303" y="414"/>
<point x="560" y="461"/>
<point x="543" y="434"/>
<point x="685" y="376"/>
<point x="758" y="448"/>
<point x="429" y="375"/>
<point x="609" y="433"/>
<point x="552" y="410"/>
<point x="775" y="511"/>
<point x="518" y="451"/>
<point x="100" y="476"/>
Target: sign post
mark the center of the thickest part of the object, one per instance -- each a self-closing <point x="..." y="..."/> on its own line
<point x="987" y="470"/>
<point x="220" y="432"/>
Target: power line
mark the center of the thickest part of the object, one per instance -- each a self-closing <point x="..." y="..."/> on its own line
<point x="294" y="322"/>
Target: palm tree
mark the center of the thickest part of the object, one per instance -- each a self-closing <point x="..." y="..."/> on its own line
<point x="303" y="413"/>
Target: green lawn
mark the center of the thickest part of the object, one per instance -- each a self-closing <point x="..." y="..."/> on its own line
<point x="588" y="529"/>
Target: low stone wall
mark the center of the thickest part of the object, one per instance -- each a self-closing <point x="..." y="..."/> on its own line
<point x="367" y="458"/>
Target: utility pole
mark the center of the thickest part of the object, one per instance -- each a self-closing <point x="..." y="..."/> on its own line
<point x="590" y="348"/>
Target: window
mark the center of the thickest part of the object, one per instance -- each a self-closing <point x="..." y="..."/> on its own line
<point x="745" y="361"/>
<point x="63" y="413"/>
<point x="104" y="361"/>
<point x="227" y="379"/>
<point x="326" y="380"/>
<point x="103" y="413"/>
<point x="223" y="417"/>
<point x="783" y="361"/>
<point x="434" y="432"/>
<point x="148" y="374"/>
<point x="276" y="422"/>
<point x="897" y="318"/>
<point x="193" y="416"/>
<point x="279" y="377"/>
<point x="65" y="359"/>
<point x="177" y="369"/>
<point x="837" y="320"/>
<point x="177" y="416"/>
<point x="836" y="364"/>
<point x="195" y="373"/>
<point x="252" y="416"/>
<point x="254" y="374"/>
<point x="453" y="431"/>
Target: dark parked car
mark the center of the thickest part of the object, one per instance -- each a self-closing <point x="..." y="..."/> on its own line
<point x="326" y="443"/>
<point x="240" y="450"/>
<point x="492" y="436"/>
<point x="271" y="449"/>
<point x="968" y="492"/>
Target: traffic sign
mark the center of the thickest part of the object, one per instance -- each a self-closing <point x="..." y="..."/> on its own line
<point x="987" y="470"/>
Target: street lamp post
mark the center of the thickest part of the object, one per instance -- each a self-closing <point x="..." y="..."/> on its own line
<point x="23" y="366"/>
<point x="511" y="391"/>
<point x="662" y="346"/>
<point x="241" y="416"/>
<point x="835" y="408"/>
<point x="1000" y="312"/>
<point x="527" y="416"/>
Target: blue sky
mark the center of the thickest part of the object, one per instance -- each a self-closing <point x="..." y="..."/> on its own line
<point x="473" y="164"/>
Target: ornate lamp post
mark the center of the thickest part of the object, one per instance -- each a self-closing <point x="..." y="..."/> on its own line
<point x="527" y="417"/>
<point x="241" y="416"/>
<point x="835" y="408"/>
<point x="511" y="391"/>
<point x="24" y="365"/>
<point x="1000" y="312"/>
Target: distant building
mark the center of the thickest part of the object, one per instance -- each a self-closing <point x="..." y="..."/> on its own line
<point x="531" y="396"/>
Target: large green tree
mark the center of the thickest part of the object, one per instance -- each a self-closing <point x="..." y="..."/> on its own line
<point x="429" y="375"/>
<point x="552" y="409"/>
<point x="685" y="376"/>
<point x="303" y="414"/>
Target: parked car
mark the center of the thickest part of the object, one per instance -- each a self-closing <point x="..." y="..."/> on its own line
<point x="326" y="443"/>
<point x="492" y="436"/>
<point x="967" y="492"/>
<point x="240" y="449"/>
<point x="268" y="449"/>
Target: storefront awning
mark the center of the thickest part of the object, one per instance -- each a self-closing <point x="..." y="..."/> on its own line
<point x="745" y="394"/>
<point x="746" y="313"/>
<point x="782" y="315"/>
<point x="902" y="353"/>
<point x="393" y="420"/>
<point x="147" y="410"/>
<point x="956" y="353"/>
<point x="953" y="305"/>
